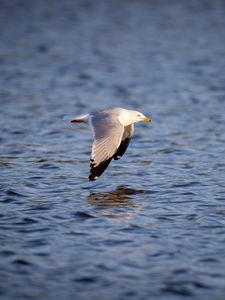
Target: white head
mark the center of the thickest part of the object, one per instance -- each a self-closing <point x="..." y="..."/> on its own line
<point x="138" y="116"/>
<point x="127" y="117"/>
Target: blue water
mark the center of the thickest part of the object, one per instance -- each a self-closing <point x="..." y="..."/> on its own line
<point x="153" y="225"/>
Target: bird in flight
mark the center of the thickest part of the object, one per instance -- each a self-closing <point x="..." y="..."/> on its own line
<point x="112" y="130"/>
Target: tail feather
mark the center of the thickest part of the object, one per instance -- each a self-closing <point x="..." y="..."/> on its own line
<point x="80" y="119"/>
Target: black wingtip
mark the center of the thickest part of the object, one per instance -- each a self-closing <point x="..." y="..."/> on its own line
<point x="91" y="178"/>
<point x="96" y="171"/>
<point x="122" y="149"/>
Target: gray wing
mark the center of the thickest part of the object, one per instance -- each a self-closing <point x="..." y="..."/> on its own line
<point x="125" y="141"/>
<point x="108" y="132"/>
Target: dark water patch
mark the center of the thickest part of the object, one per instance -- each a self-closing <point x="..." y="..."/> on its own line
<point x="115" y="243"/>
<point x="84" y="76"/>
<point x="20" y="193"/>
<point x="191" y="194"/>
<point x="167" y="218"/>
<point x="178" y="288"/>
<point x="14" y="193"/>
<point x="38" y="207"/>
<point x="180" y="271"/>
<point x="27" y="221"/>
<point x="121" y="91"/>
<point x="8" y="200"/>
<point x="17" y="132"/>
<point x="42" y="48"/>
<point x="42" y="160"/>
<point x="34" y="243"/>
<point x="3" y="291"/>
<point x="86" y="279"/>
<point x="220" y="198"/>
<point x="185" y="288"/>
<point x="81" y="215"/>
<point x="53" y="132"/>
<point x="200" y="285"/>
<point x="152" y="192"/>
<point x="21" y="262"/>
<point x="209" y="260"/>
<point x="187" y="184"/>
<point x="32" y="230"/>
<point x="133" y="227"/>
<point x="166" y="150"/>
<point x="48" y="166"/>
<point x="130" y="294"/>
<point x="78" y="233"/>
<point x="42" y="254"/>
<point x="7" y="253"/>
<point x="16" y="152"/>
<point x="6" y="164"/>
<point x="192" y="217"/>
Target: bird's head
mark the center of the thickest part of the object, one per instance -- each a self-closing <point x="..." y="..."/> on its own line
<point x="138" y="116"/>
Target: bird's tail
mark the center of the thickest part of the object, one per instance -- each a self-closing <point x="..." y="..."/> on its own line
<point x="79" y="119"/>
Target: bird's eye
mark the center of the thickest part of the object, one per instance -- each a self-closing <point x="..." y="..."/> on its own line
<point x="138" y="115"/>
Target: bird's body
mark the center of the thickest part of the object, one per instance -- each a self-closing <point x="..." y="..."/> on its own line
<point x="112" y="130"/>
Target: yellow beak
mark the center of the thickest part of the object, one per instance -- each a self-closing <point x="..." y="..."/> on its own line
<point x="147" y="119"/>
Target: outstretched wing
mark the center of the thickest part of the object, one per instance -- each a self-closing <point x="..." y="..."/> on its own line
<point x="125" y="141"/>
<point x="108" y="132"/>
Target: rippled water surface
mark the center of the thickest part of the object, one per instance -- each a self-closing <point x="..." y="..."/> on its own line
<point x="153" y="226"/>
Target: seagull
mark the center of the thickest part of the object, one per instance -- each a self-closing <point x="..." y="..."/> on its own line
<point x="112" y="130"/>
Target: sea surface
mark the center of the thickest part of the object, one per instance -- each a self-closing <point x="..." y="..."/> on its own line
<point x="153" y="225"/>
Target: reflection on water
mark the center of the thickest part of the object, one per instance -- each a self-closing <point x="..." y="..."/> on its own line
<point x="119" y="205"/>
<point x="121" y="197"/>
